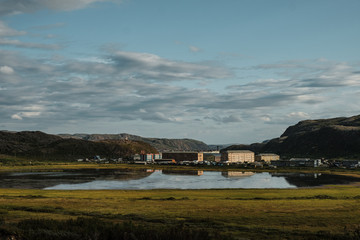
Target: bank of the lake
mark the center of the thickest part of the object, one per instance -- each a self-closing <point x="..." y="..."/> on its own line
<point x="21" y="164"/>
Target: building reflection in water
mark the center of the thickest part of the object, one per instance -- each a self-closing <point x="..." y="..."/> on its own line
<point x="237" y="174"/>
<point x="183" y="172"/>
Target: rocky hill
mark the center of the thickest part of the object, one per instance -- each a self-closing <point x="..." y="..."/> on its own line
<point x="255" y="147"/>
<point x="330" y="138"/>
<point x="161" y="144"/>
<point x="45" y="146"/>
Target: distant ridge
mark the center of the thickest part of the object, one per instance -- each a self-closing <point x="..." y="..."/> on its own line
<point x="330" y="138"/>
<point x="40" y="145"/>
<point x="161" y="144"/>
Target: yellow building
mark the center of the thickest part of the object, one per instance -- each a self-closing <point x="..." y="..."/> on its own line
<point x="267" y="157"/>
<point x="237" y="156"/>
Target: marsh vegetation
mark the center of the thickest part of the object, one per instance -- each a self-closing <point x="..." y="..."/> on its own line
<point x="318" y="213"/>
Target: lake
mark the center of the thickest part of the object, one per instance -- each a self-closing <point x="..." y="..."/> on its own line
<point x="91" y="179"/>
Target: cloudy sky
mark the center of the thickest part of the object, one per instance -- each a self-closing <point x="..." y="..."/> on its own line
<point x="233" y="71"/>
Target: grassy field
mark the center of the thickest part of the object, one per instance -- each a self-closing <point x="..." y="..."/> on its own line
<point x="330" y="212"/>
<point x="319" y="213"/>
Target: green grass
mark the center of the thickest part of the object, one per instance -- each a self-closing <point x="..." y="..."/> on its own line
<point x="275" y="214"/>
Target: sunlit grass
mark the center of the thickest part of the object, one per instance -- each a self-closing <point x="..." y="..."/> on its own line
<point x="241" y="212"/>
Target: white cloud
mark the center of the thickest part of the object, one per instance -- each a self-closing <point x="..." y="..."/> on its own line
<point x="21" y="115"/>
<point x="20" y="44"/>
<point x="194" y="49"/>
<point x="26" y="6"/>
<point x="67" y="5"/>
<point x="16" y="117"/>
<point x="80" y="105"/>
<point x="5" y="39"/>
<point x="6" y="70"/>
<point x="30" y="114"/>
<point x="266" y="118"/>
<point x="5" y="31"/>
<point x="11" y="7"/>
<point x="144" y="88"/>
<point x="153" y="67"/>
<point x="232" y="118"/>
<point x="34" y="108"/>
<point x="301" y="115"/>
<point x="320" y="73"/>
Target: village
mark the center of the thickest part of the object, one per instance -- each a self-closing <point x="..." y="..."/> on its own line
<point x="243" y="158"/>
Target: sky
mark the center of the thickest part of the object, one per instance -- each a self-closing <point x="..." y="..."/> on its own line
<point x="233" y="71"/>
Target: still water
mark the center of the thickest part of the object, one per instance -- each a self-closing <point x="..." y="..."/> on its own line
<point x="165" y="179"/>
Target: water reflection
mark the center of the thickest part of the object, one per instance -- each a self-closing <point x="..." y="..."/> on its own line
<point x="236" y="174"/>
<point x="183" y="172"/>
<point x="40" y="180"/>
<point x="165" y="179"/>
<point x="314" y="179"/>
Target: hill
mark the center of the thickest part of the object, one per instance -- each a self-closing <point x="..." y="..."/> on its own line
<point x="161" y="144"/>
<point x="255" y="147"/>
<point x="330" y="138"/>
<point x="45" y="146"/>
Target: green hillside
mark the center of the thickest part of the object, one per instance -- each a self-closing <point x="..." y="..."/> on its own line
<point x="328" y="138"/>
<point x="40" y="145"/>
<point x="161" y="144"/>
